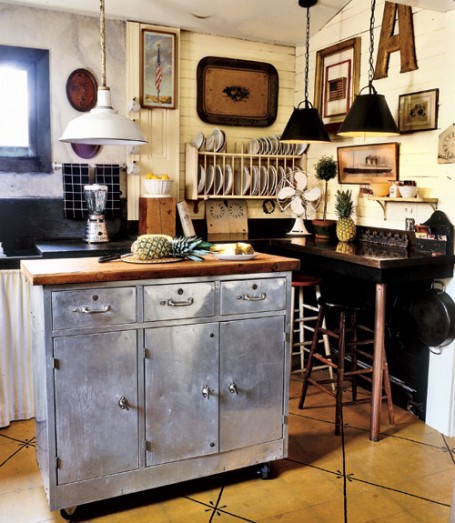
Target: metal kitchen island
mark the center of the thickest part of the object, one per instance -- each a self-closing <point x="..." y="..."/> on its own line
<point x="151" y="374"/>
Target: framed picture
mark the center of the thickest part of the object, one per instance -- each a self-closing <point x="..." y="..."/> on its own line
<point x="336" y="81"/>
<point x="158" y="69"/>
<point x="236" y="92"/>
<point x="418" y="111"/>
<point x="368" y="163"/>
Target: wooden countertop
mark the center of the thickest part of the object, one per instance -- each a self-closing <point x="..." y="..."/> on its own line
<point x="89" y="270"/>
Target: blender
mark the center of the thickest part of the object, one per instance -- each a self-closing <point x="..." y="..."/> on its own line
<point x="95" y="196"/>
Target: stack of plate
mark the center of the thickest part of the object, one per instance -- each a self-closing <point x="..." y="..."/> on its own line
<point x="215" y="142"/>
<point x="272" y="145"/>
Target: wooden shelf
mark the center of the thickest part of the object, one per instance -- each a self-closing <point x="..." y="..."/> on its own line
<point x="237" y="161"/>
<point x="383" y="201"/>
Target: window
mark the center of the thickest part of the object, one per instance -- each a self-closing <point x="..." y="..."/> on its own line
<point x="25" y="140"/>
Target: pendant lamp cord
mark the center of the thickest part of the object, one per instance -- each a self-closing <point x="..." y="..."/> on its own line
<point x="371" y="88"/>
<point x="307" y="55"/>
<point x="103" y="44"/>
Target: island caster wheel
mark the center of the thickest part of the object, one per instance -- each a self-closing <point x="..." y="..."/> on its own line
<point x="264" y="471"/>
<point x="68" y="513"/>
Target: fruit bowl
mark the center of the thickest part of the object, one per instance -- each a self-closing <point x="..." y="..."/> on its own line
<point x="380" y="189"/>
<point x="158" y="187"/>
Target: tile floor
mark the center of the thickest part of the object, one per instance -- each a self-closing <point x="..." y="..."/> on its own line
<point x="406" y="477"/>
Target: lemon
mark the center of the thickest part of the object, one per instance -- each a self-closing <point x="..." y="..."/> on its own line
<point x="165" y="177"/>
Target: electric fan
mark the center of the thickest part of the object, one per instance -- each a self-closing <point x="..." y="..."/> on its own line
<point x="296" y="196"/>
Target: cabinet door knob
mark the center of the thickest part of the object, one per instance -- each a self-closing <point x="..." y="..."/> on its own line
<point x="206" y="391"/>
<point x="123" y="403"/>
<point x="233" y="388"/>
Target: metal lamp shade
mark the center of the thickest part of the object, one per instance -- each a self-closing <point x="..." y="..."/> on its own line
<point x="103" y="126"/>
<point x="369" y="116"/>
<point x="305" y="126"/>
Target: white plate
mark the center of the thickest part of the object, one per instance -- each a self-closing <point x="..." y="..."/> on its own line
<point x="234" y="257"/>
<point x="273" y="180"/>
<point x="198" y="141"/>
<point x="210" y="144"/>
<point x="220" y="139"/>
<point x="228" y="178"/>
<point x="210" y="176"/>
<point x="201" y="179"/>
<point x="246" y="180"/>
<point x="219" y="178"/>
<point x="264" y="180"/>
<point x="255" y="181"/>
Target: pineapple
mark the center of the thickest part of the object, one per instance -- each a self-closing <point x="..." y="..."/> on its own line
<point x="157" y="246"/>
<point x="344" y="208"/>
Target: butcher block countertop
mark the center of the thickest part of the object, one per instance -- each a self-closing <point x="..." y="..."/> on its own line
<point x="89" y="270"/>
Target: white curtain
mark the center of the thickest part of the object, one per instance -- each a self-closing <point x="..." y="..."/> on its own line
<point x="16" y="381"/>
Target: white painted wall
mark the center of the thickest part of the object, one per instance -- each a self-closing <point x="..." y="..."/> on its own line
<point x="73" y="42"/>
<point x="418" y="151"/>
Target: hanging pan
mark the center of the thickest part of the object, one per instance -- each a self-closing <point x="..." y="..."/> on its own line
<point x="434" y="314"/>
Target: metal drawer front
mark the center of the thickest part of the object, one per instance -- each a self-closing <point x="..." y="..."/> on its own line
<point x="257" y="295"/>
<point x="168" y="302"/>
<point x="93" y="307"/>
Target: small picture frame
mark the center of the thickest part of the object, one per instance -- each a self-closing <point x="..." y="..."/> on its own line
<point x="365" y="164"/>
<point x="418" y="111"/>
<point x="336" y="81"/>
<point x="158" y="69"/>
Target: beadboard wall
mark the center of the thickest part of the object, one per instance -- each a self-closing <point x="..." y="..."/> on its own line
<point x="418" y="151"/>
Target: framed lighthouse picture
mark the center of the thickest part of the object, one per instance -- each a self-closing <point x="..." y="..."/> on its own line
<point x="158" y="69"/>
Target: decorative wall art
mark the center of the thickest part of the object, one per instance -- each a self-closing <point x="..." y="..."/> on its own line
<point x="158" y="69"/>
<point x="418" y="111"/>
<point x="336" y="81"/>
<point x="368" y="163"/>
<point x="236" y="92"/>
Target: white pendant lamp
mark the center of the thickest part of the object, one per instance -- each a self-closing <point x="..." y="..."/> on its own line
<point x="305" y="124"/>
<point x="369" y="114"/>
<point x="102" y="125"/>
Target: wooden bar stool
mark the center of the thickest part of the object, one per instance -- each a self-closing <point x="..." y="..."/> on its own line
<point x="303" y="321"/>
<point x="351" y="342"/>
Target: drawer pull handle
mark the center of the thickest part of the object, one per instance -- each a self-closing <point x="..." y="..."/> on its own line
<point x="123" y="403"/>
<point x="186" y="303"/>
<point x="247" y="297"/>
<point x="86" y="310"/>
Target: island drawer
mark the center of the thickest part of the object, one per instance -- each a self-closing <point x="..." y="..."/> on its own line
<point x="93" y="307"/>
<point x="255" y="295"/>
<point x="181" y="300"/>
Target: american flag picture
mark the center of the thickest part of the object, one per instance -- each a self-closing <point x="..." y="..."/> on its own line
<point x="159" y="69"/>
<point x="158" y="72"/>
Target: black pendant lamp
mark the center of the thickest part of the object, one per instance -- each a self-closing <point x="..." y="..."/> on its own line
<point x="369" y="114"/>
<point x="305" y="124"/>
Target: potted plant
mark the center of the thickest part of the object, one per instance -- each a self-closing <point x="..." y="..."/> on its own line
<point x="326" y="169"/>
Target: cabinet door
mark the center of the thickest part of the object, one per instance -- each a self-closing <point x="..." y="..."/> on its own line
<point x="96" y="405"/>
<point x="181" y="402"/>
<point x="252" y="356"/>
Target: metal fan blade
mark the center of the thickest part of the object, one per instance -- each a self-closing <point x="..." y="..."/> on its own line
<point x="285" y="192"/>
<point x="301" y="180"/>
<point x="297" y="207"/>
<point x="313" y="194"/>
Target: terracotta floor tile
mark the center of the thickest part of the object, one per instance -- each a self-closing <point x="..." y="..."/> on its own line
<point x="406" y="477"/>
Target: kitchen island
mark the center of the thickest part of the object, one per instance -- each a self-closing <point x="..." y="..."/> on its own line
<point x="151" y="374"/>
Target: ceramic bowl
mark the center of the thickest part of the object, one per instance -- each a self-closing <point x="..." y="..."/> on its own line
<point x="380" y="189"/>
<point x="158" y="187"/>
<point x="408" y="191"/>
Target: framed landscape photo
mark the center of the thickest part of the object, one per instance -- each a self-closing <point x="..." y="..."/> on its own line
<point x="363" y="164"/>
<point x="158" y="69"/>
<point x="418" y="111"/>
<point x="336" y="81"/>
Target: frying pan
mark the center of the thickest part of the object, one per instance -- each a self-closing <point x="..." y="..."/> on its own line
<point x="434" y="314"/>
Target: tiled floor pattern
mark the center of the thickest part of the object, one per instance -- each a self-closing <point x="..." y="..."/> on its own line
<point x="406" y="477"/>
